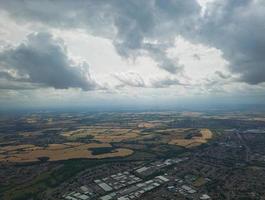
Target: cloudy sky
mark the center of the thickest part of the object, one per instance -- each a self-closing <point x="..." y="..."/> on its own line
<point x="133" y="52"/>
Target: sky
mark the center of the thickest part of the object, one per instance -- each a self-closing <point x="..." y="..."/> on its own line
<point x="100" y="53"/>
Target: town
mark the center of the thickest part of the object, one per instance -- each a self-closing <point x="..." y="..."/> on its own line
<point x="126" y="156"/>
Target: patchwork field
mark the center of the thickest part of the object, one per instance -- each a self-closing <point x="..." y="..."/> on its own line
<point x="50" y="154"/>
<point x="55" y="152"/>
<point x="67" y="137"/>
<point x="148" y="125"/>
<point x="102" y="134"/>
<point x="185" y="137"/>
<point x="201" y="138"/>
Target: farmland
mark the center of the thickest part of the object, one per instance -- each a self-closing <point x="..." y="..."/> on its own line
<point x="202" y="137"/>
<point x="41" y="152"/>
<point x="56" y="152"/>
<point x="72" y="137"/>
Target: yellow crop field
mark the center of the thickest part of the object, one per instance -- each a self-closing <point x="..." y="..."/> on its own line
<point x="57" y="152"/>
<point x="206" y="134"/>
<point x="147" y="125"/>
<point x="16" y="147"/>
<point x="102" y="134"/>
<point x="116" y="137"/>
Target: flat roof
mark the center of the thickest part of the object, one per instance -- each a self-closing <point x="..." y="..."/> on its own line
<point x="106" y="197"/>
<point x="105" y="187"/>
<point x="142" y="169"/>
<point x="163" y="178"/>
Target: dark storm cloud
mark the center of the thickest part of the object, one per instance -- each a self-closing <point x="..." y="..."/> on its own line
<point x="236" y="27"/>
<point x="127" y="23"/>
<point x="158" y="53"/>
<point x="7" y="76"/>
<point x="15" y="85"/>
<point x="139" y="23"/>
<point x="43" y="60"/>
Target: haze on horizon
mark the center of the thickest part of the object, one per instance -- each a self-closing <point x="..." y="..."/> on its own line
<point x="129" y="53"/>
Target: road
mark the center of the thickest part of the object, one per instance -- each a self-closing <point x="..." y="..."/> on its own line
<point x="243" y="143"/>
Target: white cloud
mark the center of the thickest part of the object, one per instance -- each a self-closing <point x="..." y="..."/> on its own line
<point x="148" y="50"/>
